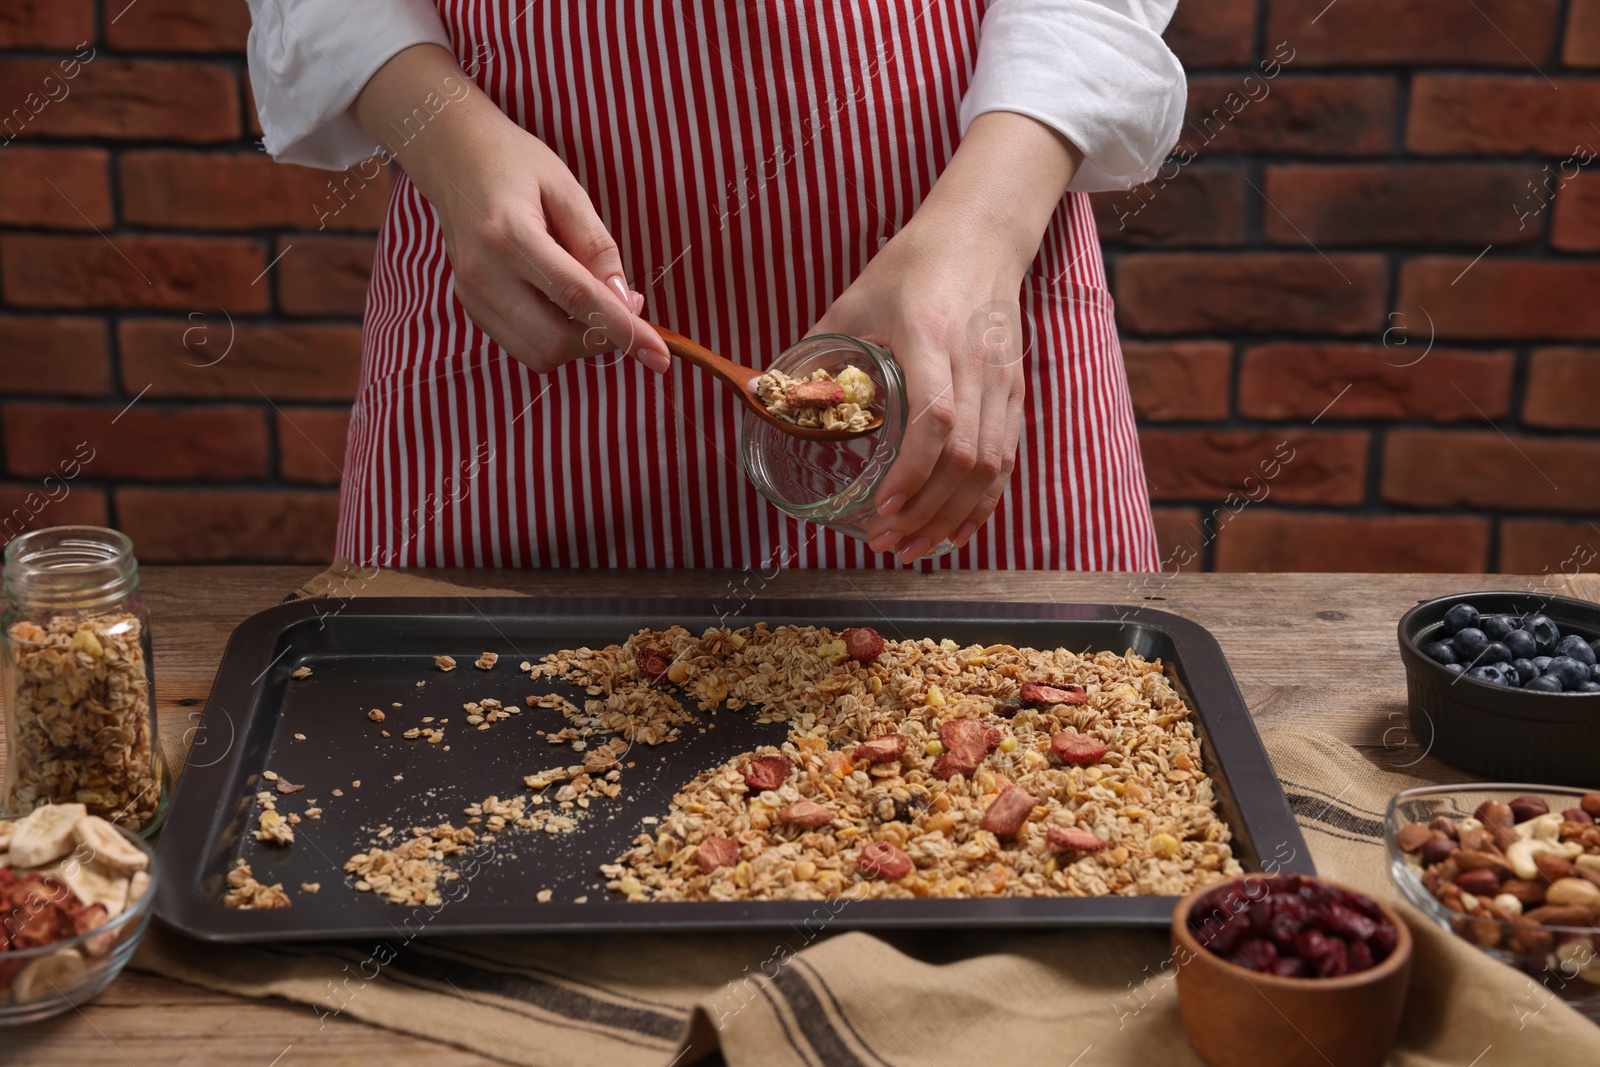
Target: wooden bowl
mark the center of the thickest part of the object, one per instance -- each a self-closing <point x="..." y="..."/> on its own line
<point x="1236" y="1017"/>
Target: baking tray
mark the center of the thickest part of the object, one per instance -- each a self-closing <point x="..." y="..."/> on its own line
<point x="371" y="652"/>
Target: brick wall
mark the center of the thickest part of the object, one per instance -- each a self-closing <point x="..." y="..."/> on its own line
<point x="1358" y="303"/>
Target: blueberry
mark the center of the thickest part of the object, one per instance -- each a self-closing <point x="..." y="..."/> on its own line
<point x="1443" y="651"/>
<point x="1568" y="671"/>
<point x="1497" y="626"/>
<point x="1526" y="671"/>
<point x="1542" y="663"/>
<point x="1455" y="668"/>
<point x="1594" y="673"/>
<point x="1521" y="644"/>
<point x="1491" y="673"/>
<point x="1576" y="647"/>
<point x="1545" y="632"/>
<point x="1588" y="687"/>
<point x="1594" y="646"/>
<point x="1543" y="684"/>
<point x="1469" y="642"/>
<point x="1495" y="652"/>
<point x="1460" y="617"/>
<point x="1513" y="676"/>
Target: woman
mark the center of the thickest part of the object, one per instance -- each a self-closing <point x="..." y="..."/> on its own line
<point x="748" y="173"/>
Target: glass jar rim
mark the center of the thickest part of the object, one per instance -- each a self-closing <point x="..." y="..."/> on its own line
<point x="98" y="560"/>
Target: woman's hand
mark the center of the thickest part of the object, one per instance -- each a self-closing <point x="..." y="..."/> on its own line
<point x="534" y="266"/>
<point x="942" y="294"/>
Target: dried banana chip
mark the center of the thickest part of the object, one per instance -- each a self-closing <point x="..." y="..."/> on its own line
<point x="45" y="835"/>
<point x="49" y="975"/>
<point x="107" y="847"/>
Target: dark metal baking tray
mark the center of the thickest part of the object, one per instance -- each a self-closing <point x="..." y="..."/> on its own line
<point x="371" y="652"/>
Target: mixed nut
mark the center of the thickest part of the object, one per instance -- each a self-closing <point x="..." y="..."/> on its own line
<point x="1511" y="870"/>
<point x="63" y="873"/>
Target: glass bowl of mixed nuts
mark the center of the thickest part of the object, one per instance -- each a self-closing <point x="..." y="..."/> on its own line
<point x="75" y="894"/>
<point x="1515" y="869"/>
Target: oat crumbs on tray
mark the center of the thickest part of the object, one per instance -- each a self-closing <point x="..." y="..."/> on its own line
<point x="912" y="769"/>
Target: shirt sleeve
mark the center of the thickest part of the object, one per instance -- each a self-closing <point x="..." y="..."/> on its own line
<point x="310" y="58"/>
<point x="1097" y="71"/>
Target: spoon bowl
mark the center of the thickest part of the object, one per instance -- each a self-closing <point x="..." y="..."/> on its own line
<point x="739" y="379"/>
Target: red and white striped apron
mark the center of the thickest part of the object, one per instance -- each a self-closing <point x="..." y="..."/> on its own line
<point x="749" y="158"/>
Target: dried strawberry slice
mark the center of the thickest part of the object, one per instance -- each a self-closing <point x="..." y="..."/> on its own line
<point x="807" y="813"/>
<point x="1043" y="693"/>
<point x="653" y="663"/>
<point x="1008" y="811"/>
<point x="766" y="772"/>
<point x="1073" y="840"/>
<point x="884" y="749"/>
<point x="863" y="644"/>
<point x="879" y="859"/>
<point x="969" y="734"/>
<point x="819" y="394"/>
<point x="955" y="763"/>
<point x="716" y="852"/>
<point x="1072" y="747"/>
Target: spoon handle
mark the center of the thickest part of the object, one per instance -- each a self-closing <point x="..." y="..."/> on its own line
<point x="730" y="372"/>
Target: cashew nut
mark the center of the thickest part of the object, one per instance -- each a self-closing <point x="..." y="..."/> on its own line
<point x="1508" y="904"/>
<point x="1545" y="827"/>
<point x="1520" y="856"/>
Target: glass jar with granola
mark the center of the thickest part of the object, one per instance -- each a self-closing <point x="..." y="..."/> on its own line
<point x="78" y="684"/>
<point x="831" y="483"/>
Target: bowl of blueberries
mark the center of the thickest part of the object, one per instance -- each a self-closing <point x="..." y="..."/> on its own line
<point x="1506" y="685"/>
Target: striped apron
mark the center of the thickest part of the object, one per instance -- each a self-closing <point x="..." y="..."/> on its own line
<point x="749" y="158"/>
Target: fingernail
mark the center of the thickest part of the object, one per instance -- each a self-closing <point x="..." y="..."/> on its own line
<point x="636" y="301"/>
<point x="964" y="534"/>
<point x="884" y="541"/>
<point x="653" y="360"/>
<point x="619" y="285"/>
<point x="914" y="549"/>
<point x="892" y="505"/>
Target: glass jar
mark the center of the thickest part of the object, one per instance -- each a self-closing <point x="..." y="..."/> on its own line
<point x="78" y="679"/>
<point x="831" y="483"/>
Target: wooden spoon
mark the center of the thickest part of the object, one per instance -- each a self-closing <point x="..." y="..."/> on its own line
<point x="738" y="378"/>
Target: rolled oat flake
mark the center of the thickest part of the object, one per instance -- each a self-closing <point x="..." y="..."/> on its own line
<point x="78" y="680"/>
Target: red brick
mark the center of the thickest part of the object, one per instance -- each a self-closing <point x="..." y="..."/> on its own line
<point x="1179" y="538"/>
<point x="35" y="505"/>
<point x="138" y="442"/>
<point x="1313" y="115"/>
<point x="133" y="271"/>
<point x="1263" y="539"/>
<point x="1329" y="205"/>
<point x="55" y="188"/>
<point x="206" y="356"/>
<point x="1257" y="293"/>
<point x="246" y="191"/>
<point x="54" y="356"/>
<point x="1583" y="35"/>
<point x="323" y="275"/>
<point x="1548" y="547"/>
<point x="1577" y="213"/>
<point x="1563" y="384"/>
<point x="1290" y="466"/>
<point x="180" y="26"/>
<point x="1499" y="33"/>
<point x="229" y="525"/>
<point x="1301" y="381"/>
<point x="1218" y="33"/>
<point x="46" y="23"/>
<point x="311" y="444"/>
<point x="1484" y="469"/>
<point x="125" y="99"/>
<point x="1178" y="381"/>
<point x="1501" y="114"/>
<point x="1502" y="298"/>
<point x="1196" y="205"/>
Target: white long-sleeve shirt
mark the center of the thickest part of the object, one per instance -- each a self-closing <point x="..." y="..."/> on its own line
<point x="1097" y="71"/>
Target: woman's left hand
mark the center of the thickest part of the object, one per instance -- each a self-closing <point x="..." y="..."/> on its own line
<point x="942" y="295"/>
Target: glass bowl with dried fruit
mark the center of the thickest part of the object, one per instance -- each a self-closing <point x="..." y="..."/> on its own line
<point x="75" y="893"/>
<point x="831" y="483"/>
<point x="1515" y="869"/>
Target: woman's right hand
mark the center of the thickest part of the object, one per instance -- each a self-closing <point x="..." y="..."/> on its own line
<point x="534" y="266"/>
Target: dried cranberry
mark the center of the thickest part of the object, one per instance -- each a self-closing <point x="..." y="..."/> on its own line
<point x="1289" y="916"/>
<point x="1346" y="922"/>
<point x="1260" y="915"/>
<point x="1290" y="967"/>
<point x="1313" y="946"/>
<point x="1360" y="956"/>
<point x="1221" y="933"/>
<point x="1383" y="940"/>
<point x="1256" y="954"/>
<point x="1337" y="960"/>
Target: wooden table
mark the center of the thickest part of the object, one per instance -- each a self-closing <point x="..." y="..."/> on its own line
<point x="1290" y="638"/>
